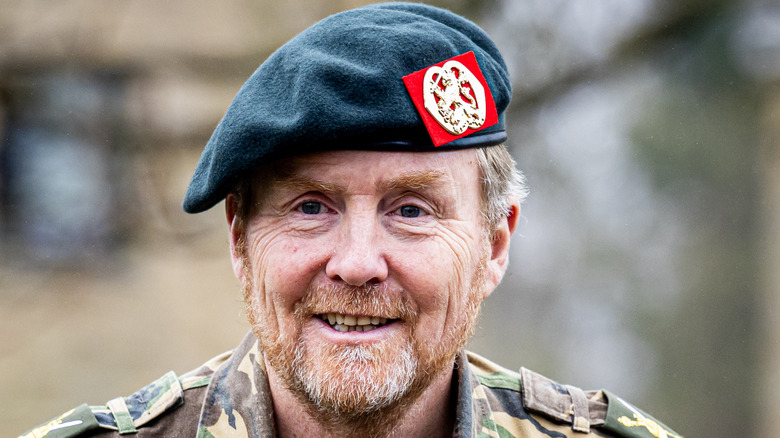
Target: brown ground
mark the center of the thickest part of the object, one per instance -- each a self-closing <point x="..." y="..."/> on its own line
<point x="71" y="338"/>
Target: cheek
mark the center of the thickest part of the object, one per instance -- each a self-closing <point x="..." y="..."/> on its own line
<point x="438" y="272"/>
<point x="283" y="267"/>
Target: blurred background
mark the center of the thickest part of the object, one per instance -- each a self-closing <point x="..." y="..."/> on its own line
<point x="647" y="262"/>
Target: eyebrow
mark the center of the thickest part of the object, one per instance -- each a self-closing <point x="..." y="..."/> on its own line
<point x="411" y="180"/>
<point x="308" y="184"/>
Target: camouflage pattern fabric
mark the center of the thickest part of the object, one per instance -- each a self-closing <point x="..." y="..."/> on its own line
<point x="229" y="397"/>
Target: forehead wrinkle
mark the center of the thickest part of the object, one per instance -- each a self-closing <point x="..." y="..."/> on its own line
<point x="411" y="180"/>
<point x="283" y="178"/>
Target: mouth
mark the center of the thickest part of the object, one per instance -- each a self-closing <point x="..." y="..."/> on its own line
<point x="352" y="323"/>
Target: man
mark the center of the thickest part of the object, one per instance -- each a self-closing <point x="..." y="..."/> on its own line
<point x="370" y="204"/>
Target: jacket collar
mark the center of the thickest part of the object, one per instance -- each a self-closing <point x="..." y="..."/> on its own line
<point x="238" y="400"/>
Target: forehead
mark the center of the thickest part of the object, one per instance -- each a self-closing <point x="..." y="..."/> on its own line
<point x="357" y="171"/>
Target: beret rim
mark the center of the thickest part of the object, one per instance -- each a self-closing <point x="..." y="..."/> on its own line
<point x="195" y="202"/>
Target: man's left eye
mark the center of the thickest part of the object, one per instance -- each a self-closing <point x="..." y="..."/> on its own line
<point x="312" y="207"/>
<point x="410" y="211"/>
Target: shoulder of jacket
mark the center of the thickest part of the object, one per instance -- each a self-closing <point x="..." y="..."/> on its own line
<point x="126" y="414"/>
<point x="582" y="410"/>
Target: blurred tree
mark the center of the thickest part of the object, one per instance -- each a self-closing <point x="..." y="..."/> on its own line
<point x="694" y="130"/>
<point x="700" y="140"/>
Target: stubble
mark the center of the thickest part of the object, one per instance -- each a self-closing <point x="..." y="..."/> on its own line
<point x="361" y="388"/>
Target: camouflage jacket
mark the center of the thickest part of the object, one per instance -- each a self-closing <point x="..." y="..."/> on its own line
<point x="229" y="397"/>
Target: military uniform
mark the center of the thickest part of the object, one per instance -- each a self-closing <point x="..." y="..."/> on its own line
<point x="229" y="397"/>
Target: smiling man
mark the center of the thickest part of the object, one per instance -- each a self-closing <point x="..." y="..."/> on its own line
<point x="364" y="272"/>
<point x="370" y="204"/>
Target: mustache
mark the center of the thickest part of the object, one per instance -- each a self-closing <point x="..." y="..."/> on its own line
<point x="369" y="300"/>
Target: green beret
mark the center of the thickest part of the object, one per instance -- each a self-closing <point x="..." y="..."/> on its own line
<point x="341" y="84"/>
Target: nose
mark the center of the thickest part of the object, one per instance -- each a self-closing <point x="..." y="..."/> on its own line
<point x="357" y="258"/>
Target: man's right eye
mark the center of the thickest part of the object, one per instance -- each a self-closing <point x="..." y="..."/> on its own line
<point x="311" y="207"/>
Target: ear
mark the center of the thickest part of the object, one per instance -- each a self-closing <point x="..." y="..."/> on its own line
<point x="499" y="257"/>
<point x="231" y="211"/>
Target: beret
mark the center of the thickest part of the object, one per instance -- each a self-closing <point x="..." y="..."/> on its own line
<point x="339" y="85"/>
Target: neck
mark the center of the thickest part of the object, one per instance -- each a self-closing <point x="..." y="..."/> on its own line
<point x="430" y="415"/>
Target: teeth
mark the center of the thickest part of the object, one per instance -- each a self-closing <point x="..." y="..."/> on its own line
<point x="354" y="328"/>
<point x="351" y="323"/>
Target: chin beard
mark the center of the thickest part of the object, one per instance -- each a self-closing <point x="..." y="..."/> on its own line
<point x="365" y="388"/>
<point x="359" y="387"/>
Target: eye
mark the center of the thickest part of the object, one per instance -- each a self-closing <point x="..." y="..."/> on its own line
<point x="410" y="211"/>
<point x="312" y="207"/>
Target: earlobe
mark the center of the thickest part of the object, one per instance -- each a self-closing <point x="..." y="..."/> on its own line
<point x="499" y="258"/>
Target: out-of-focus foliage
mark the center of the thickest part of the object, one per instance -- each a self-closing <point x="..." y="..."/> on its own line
<point x="699" y="141"/>
<point x="639" y="125"/>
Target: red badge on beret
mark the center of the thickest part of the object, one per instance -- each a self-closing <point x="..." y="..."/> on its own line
<point x="452" y="98"/>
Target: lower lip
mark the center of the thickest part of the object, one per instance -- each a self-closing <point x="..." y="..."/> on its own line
<point x="337" y="337"/>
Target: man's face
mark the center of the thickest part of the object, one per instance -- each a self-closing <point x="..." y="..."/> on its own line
<point x="364" y="272"/>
